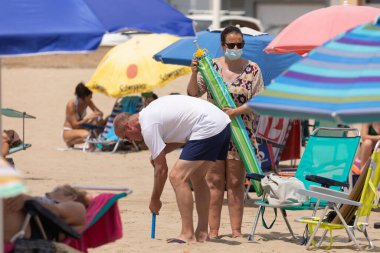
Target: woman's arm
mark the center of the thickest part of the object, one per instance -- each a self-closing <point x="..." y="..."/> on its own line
<point x="232" y="113"/>
<point x="94" y="108"/>
<point x="365" y="133"/>
<point x="71" y="117"/>
<point x="192" y="87"/>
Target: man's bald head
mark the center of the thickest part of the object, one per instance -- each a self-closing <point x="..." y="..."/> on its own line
<point x="128" y="126"/>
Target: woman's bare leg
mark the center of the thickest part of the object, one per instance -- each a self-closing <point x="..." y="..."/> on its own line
<point x="235" y="176"/>
<point x="76" y="136"/>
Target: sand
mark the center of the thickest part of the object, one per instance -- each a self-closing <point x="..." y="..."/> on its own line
<point x="41" y="86"/>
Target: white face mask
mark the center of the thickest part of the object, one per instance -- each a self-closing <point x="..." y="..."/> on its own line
<point x="233" y="54"/>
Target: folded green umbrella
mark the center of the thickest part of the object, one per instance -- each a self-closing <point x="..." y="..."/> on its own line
<point x="223" y="99"/>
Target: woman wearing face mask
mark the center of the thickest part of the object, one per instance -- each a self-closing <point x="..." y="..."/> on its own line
<point x="244" y="80"/>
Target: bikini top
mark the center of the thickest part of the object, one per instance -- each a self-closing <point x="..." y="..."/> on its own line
<point x="76" y="103"/>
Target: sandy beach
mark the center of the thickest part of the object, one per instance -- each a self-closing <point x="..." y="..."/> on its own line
<point x="42" y="86"/>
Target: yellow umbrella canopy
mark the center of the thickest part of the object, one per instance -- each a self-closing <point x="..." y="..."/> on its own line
<point x="130" y="68"/>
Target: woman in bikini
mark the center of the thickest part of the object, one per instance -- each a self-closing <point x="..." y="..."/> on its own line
<point x="370" y="135"/>
<point x="73" y="130"/>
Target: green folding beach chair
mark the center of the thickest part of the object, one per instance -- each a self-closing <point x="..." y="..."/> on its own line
<point x="326" y="161"/>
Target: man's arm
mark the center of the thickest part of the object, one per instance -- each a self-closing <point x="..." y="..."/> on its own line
<point x="160" y="176"/>
<point x="172" y="146"/>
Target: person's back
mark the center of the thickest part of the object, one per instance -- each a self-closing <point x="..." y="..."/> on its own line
<point x="189" y="119"/>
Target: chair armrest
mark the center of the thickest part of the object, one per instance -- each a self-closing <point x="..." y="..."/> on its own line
<point x="328" y="191"/>
<point x="254" y="176"/>
<point x="91" y="126"/>
<point x="330" y="198"/>
<point x="325" y="182"/>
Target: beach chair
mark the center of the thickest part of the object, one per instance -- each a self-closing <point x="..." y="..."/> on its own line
<point x="17" y="114"/>
<point x="49" y="226"/>
<point x="351" y="211"/>
<point x="107" y="139"/>
<point x="327" y="161"/>
<point x="103" y="221"/>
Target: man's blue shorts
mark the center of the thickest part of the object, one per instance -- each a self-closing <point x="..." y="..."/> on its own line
<point x="210" y="149"/>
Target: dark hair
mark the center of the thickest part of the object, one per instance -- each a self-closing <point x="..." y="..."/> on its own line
<point x="154" y="96"/>
<point x="82" y="91"/>
<point x="228" y="30"/>
<point x="13" y="138"/>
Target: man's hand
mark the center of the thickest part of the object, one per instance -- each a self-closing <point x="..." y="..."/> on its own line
<point x="155" y="205"/>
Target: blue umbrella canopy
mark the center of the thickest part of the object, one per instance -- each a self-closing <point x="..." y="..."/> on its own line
<point x="339" y="81"/>
<point x="271" y="65"/>
<point x="78" y="25"/>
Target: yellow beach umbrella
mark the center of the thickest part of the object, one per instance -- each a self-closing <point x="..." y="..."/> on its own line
<point x="130" y="68"/>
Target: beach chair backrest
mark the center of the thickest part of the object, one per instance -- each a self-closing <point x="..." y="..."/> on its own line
<point x="128" y="104"/>
<point x="369" y="198"/>
<point x="328" y="156"/>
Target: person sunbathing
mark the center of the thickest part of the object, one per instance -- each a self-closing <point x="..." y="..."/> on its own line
<point x="65" y="201"/>
<point x="10" y="139"/>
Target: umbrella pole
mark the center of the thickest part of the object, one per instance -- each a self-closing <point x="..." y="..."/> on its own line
<point x="1" y="116"/>
<point x="1" y="156"/>
<point x="1" y="226"/>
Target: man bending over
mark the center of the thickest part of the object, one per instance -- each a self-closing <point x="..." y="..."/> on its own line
<point x="170" y="122"/>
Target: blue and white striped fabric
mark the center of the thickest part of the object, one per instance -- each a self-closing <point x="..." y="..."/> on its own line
<point x="339" y="81"/>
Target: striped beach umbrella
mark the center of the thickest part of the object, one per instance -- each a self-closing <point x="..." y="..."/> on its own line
<point x="11" y="184"/>
<point x="338" y="81"/>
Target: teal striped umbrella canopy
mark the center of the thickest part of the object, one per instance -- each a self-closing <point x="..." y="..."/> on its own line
<point x="338" y="81"/>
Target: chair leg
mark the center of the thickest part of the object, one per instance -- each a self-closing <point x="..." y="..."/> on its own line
<point x="316" y="228"/>
<point x="370" y="243"/>
<point x="252" y="234"/>
<point x="350" y="235"/>
<point x="116" y="146"/>
<point x="21" y="233"/>
<point x="247" y="190"/>
<point x="322" y="237"/>
<point x="305" y="236"/>
<point x="283" y="212"/>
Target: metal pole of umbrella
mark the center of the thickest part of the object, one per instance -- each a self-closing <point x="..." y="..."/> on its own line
<point x="1" y="116"/>
<point x="1" y="157"/>
<point x="216" y="14"/>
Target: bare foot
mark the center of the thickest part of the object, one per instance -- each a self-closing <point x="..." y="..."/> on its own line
<point x="213" y="234"/>
<point x="236" y="233"/>
<point x="202" y="236"/>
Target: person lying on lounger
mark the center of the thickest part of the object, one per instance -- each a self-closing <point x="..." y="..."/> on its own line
<point x="10" y="139"/>
<point x="66" y="202"/>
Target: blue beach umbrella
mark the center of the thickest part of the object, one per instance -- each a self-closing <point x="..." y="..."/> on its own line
<point x="181" y="52"/>
<point x="56" y="26"/>
<point x="338" y="81"/>
<point x="28" y="27"/>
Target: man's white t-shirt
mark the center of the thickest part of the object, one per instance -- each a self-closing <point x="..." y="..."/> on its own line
<point x="178" y="119"/>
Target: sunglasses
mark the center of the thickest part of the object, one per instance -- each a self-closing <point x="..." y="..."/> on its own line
<point x="232" y="45"/>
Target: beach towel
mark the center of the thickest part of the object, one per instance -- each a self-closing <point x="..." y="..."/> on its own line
<point x="103" y="223"/>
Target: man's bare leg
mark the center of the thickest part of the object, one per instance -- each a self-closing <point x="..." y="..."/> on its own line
<point x="216" y="181"/>
<point x="202" y="196"/>
<point x="179" y="178"/>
